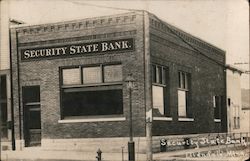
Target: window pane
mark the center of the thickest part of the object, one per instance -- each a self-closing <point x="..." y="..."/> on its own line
<point x="35" y="120"/>
<point x="3" y="119"/>
<point x="153" y="73"/>
<point x="217" y="108"/>
<point x="3" y="91"/>
<point x="71" y="76"/>
<point x="3" y="105"/>
<point x="92" y="75"/>
<point x="214" y="101"/>
<point x="183" y="80"/>
<point x="186" y="81"/>
<point x="179" y="75"/>
<point x="159" y="74"/>
<point x="90" y="103"/>
<point x="112" y="73"/>
<point x="164" y="76"/>
<point x="158" y="99"/>
<point x="182" y="103"/>
<point x="31" y="94"/>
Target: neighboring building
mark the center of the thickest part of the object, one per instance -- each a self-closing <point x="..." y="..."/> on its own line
<point x="5" y="77"/>
<point x="69" y="90"/>
<point x="5" y="87"/>
<point x="234" y="105"/>
<point x="245" y="95"/>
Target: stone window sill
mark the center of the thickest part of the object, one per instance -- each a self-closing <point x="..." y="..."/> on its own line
<point x="163" y="118"/>
<point x="92" y="120"/>
<point x="185" y="119"/>
<point x="217" y="120"/>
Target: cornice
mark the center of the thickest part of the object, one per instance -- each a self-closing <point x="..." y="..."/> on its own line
<point x="175" y="46"/>
<point x="121" y="19"/>
<point x="81" y="38"/>
<point x="164" y="27"/>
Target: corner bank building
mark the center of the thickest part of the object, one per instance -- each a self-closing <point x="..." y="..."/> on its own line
<point x="69" y="88"/>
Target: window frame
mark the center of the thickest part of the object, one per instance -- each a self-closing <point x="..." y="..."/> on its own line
<point x="236" y="116"/>
<point x="184" y="84"/>
<point x="96" y="86"/>
<point x="217" y="100"/>
<point x="82" y="84"/>
<point x="164" y="83"/>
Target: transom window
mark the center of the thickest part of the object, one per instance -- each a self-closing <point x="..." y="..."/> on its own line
<point x="71" y="76"/>
<point x="183" y="80"/>
<point x="92" y="74"/>
<point x="159" y="74"/>
<point x="92" y="91"/>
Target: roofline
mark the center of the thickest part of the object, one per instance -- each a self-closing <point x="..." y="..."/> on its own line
<point x="234" y="69"/>
<point x="68" y="21"/>
<point x="16" y="21"/>
<point x="188" y="34"/>
<point x="20" y="26"/>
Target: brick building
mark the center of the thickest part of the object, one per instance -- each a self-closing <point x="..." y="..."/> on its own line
<point x="5" y="78"/>
<point x="234" y="102"/>
<point x="69" y="89"/>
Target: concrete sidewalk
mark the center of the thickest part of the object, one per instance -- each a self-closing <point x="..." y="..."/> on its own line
<point x="39" y="154"/>
<point x="36" y="154"/>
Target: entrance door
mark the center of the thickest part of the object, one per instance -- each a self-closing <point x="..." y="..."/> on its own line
<point x="32" y="115"/>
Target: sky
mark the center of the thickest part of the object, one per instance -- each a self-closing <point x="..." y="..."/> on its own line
<point x="223" y="23"/>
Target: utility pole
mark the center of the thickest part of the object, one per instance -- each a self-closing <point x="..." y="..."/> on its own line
<point x="148" y="86"/>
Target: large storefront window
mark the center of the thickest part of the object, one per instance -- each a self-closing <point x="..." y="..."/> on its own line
<point x="3" y="105"/>
<point x="90" y="103"/>
<point x="160" y="91"/>
<point x="97" y="91"/>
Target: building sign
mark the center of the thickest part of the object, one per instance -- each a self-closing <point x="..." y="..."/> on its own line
<point x="78" y="49"/>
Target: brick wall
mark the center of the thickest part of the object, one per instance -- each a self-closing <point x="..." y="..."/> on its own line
<point x="46" y="72"/>
<point x="169" y="48"/>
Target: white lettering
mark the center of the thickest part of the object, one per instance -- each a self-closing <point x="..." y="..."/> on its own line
<point x="72" y="50"/>
<point x="125" y="45"/>
<point x="26" y="54"/>
<point x="104" y="46"/>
